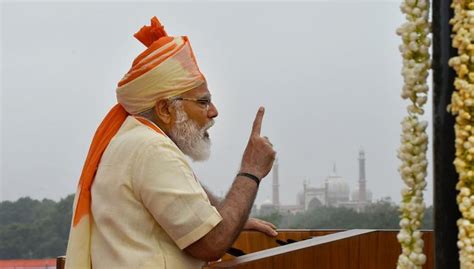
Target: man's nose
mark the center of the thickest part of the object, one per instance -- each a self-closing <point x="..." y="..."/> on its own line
<point x="212" y="112"/>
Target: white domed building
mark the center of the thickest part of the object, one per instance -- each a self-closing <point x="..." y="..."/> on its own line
<point x="337" y="189"/>
<point x="335" y="192"/>
<point x="267" y="208"/>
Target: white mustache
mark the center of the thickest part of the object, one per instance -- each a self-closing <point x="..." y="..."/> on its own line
<point x="208" y="125"/>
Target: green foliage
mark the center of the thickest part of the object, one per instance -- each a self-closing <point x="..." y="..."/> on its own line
<point x="379" y="215"/>
<point x="34" y="229"/>
<point x="24" y="210"/>
<point x="274" y="218"/>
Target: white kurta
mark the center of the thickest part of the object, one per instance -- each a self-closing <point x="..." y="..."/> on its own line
<point x="147" y="205"/>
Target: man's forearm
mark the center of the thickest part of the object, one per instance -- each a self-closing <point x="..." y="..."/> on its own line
<point x="234" y="209"/>
<point x="215" y="201"/>
<point x="257" y="160"/>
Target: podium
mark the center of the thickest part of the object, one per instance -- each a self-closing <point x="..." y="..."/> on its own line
<point x="321" y="249"/>
<point x="316" y="249"/>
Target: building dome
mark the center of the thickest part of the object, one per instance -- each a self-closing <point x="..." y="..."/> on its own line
<point x="267" y="202"/>
<point x="337" y="188"/>
<point x="267" y="208"/>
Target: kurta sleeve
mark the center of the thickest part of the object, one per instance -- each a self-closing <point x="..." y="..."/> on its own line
<point x="166" y="184"/>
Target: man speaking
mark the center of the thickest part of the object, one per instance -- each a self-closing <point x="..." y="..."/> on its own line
<point x="138" y="203"/>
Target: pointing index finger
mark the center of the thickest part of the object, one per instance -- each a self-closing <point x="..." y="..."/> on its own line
<point x="257" y="123"/>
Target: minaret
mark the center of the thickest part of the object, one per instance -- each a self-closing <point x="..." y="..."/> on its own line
<point x="362" y="182"/>
<point x="326" y="192"/>
<point x="326" y="185"/>
<point x="276" y="185"/>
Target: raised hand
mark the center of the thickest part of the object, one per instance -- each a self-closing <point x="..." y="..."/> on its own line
<point x="259" y="154"/>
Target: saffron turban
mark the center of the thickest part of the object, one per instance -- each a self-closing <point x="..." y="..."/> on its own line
<point x="165" y="69"/>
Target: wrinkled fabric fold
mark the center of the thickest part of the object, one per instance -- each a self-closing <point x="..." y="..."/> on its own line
<point x="169" y="72"/>
<point x="78" y="249"/>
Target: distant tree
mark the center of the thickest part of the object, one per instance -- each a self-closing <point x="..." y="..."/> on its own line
<point x="274" y="218"/>
<point x="326" y="218"/>
<point x="382" y="214"/>
<point x="34" y="229"/>
<point x="16" y="240"/>
<point x="24" y="210"/>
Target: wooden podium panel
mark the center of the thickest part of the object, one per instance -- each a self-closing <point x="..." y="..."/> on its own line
<point x="251" y="241"/>
<point x="320" y="249"/>
<point x="352" y="249"/>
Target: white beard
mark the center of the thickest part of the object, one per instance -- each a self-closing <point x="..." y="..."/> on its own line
<point x="191" y="140"/>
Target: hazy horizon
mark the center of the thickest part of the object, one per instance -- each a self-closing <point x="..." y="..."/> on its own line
<point x="328" y="74"/>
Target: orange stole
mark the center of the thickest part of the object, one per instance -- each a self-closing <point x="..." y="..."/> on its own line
<point x="106" y="131"/>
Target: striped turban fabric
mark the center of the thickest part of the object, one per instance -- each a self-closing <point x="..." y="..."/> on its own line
<point x="167" y="68"/>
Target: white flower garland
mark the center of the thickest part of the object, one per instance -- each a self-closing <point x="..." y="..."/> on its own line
<point x="414" y="140"/>
<point x="461" y="106"/>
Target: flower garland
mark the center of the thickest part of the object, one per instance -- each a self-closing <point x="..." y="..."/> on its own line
<point x="414" y="140"/>
<point x="462" y="107"/>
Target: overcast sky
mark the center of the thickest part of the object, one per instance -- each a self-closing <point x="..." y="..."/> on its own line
<point x="328" y="74"/>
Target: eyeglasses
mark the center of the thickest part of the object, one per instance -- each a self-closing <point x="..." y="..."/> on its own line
<point x="204" y="103"/>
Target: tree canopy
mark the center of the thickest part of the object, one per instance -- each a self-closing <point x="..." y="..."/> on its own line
<point x="34" y="229"/>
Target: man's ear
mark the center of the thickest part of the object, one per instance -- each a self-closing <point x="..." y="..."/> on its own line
<point x="162" y="111"/>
